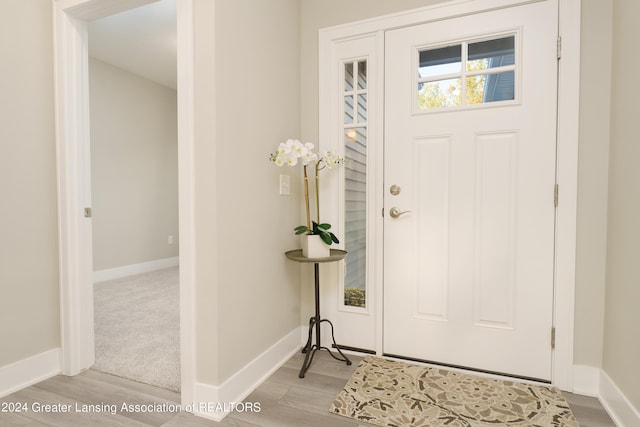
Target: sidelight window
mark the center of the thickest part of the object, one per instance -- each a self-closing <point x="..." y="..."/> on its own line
<point x="355" y="196"/>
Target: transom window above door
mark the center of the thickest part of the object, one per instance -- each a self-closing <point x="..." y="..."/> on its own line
<point x="467" y="73"/>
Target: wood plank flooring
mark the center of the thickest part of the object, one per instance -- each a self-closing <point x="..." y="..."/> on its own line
<point x="285" y="400"/>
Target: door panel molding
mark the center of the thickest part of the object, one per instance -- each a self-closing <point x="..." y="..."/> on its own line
<point x="494" y="149"/>
<point x="432" y="169"/>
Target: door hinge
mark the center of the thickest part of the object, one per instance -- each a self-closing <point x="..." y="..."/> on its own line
<point x="382" y="212"/>
<point x="553" y="338"/>
<point x="87" y="213"/>
<point x="555" y="195"/>
<point x="559" y="47"/>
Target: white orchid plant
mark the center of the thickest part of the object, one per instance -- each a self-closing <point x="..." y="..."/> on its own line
<point x="290" y="153"/>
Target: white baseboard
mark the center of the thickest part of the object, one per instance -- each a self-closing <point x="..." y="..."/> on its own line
<point x="621" y="411"/>
<point x="29" y="371"/>
<point x="130" y="270"/>
<point x="586" y="380"/>
<point x="216" y="402"/>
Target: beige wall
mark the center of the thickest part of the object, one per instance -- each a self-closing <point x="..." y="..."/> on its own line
<point x="206" y="236"/>
<point x="622" y="315"/>
<point x="242" y="271"/>
<point x="29" y="314"/>
<point x="595" y="99"/>
<point x="134" y="168"/>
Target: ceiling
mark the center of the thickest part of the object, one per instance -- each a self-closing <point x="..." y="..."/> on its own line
<point x="141" y="41"/>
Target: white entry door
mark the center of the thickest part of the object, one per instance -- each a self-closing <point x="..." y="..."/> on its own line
<point x="470" y="154"/>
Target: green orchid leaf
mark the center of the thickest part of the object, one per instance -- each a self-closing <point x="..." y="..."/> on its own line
<point x="301" y="229"/>
<point x="324" y="226"/>
<point x="326" y="238"/>
<point x="334" y="238"/>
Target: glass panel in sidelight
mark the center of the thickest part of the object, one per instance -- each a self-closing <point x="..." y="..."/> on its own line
<point x="348" y="109"/>
<point x="348" y="76"/>
<point x="355" y="145"/>
<point x="362" y="75"/>
<point x="362" y="108"/>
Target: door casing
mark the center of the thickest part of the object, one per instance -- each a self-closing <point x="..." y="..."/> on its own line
<point x="567" y="150"/>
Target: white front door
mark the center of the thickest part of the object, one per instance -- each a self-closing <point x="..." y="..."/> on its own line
<point x="470" y="150"/>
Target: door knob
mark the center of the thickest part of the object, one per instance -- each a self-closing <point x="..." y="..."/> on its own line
<point x="396" y="213"/>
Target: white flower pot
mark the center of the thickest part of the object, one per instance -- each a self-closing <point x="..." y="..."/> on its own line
<point x="314" y="247"/>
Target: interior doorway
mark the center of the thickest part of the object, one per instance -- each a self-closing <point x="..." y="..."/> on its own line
<point x="134" y="192"/>
<point x="72" y="135"/>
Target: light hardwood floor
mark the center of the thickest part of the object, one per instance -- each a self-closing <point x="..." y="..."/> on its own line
<point x="285" y="400"/>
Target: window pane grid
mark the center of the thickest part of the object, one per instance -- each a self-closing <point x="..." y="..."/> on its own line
<point x="355" y="106"/>
<point x="467" y="73"/>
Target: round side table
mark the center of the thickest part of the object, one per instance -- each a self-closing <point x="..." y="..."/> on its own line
<point x="316" y="321"/>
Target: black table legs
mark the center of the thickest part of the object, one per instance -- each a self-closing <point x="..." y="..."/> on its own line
<point x="314" y="323"/>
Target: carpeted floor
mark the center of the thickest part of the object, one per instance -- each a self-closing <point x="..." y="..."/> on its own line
<point x="389" y="393"/>
<point x="137" y="328"/>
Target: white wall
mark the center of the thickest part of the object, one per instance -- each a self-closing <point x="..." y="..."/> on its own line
<point x="622" y="316"/>
<point x="134" y="168"/>
<point x="29" y="308"/>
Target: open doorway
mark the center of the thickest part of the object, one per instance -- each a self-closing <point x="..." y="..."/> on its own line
<point x="134" y="191"/>
<point x="74" y="197"/>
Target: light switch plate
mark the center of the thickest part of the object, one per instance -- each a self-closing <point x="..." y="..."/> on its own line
<point x="285" y="182"/>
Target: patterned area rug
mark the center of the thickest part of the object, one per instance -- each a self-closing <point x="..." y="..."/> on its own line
<point x="388" y="393"/>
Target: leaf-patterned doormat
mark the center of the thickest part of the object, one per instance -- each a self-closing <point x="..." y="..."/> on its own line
<point x="388" y="393"/>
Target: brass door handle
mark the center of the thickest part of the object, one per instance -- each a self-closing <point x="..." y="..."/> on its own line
<point x="396" y="213"/>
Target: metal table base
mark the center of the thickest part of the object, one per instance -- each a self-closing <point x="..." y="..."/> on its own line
<point x="315" y="322"/>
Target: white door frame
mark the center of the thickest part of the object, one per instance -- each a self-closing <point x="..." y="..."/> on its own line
<point x="70" y="19"/>
<point x="567" y="148"/>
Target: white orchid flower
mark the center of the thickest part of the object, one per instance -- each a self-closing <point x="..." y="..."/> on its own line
<point x="311" y="157"/>
<point x="290" y="152"/>
<point x="292" y="160"/>
<point x="299" y="149"/>
<point x="278" y="160"/>
<point x="283" y="149"/>
<point x="331" y="159"/>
